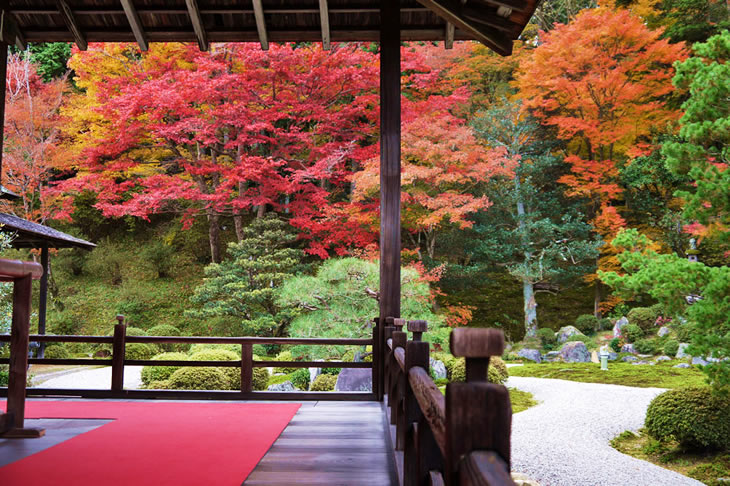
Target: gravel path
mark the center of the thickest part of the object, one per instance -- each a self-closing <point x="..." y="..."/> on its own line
<point x="564" y="441"/>
<point x="96" y="378"/>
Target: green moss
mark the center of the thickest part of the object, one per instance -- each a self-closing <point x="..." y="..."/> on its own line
<point x="521" y="400"/>
<point x="662" y="375"/>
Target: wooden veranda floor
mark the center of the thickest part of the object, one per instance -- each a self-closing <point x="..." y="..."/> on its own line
<point x="330" y="443"/>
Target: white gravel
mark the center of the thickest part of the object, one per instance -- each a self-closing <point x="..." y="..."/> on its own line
<point x="564" y="441"/>
<point x="95" y="379"/>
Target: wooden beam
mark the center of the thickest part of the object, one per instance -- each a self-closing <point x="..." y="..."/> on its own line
<point x="194" y="13"/>
<point x="453" y="11"/>
<point x="449" y="39"/>
<point x="390" y="166"/>
<point x="10" y="33"/>
<point x="72" y="25"/>
<point x="258" y="12"/>
<point x="3" y="87"/>
<point x="324" y="19"/>
<point x="135" y="24"/>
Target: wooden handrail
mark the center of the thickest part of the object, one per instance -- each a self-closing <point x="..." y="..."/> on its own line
<point x="47" y="338"/>
<point x="432" y="403"/>
<point x="12" y="269"/>
<point x="484" y="468"/>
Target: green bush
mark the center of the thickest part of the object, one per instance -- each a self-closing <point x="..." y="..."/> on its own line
<point x="63" y="323"/>
<point x="233" y="348"/>
<point x="695" y="417"/>
<point x="160" y="257"/>
<point x="497" y="372"/>
<point x="632" y="332"/>
<point x="158" y="385"/>
<point x="260" y="380"/>
<point x="168" y="330"/>
<point x="140" y="351"/>
<point x="548" y="339"/>
<point x="584" y="339"/>
<point x="259" y="349"/>
<point x="198" y="378"/>
<point x="644" y="317"/>
<point x="685" y="332"/>
<point x="324" y="383"/>
<point x="671" y="347"/>
<point x="331" y="371"/>
<point x="285" y="356"/>
<point x="349" y="356"/>
<point x="615" y="344"/>
<point x="645" y="346"/>
<point x="232" y="374"/>
<point x="300" y="378"/>
<point x="56" y="351"/>
<point x="604" y="324"/>
<point x="160" y="373"/>
<point x="4" y="375"/>
<point x="587" y="323"/>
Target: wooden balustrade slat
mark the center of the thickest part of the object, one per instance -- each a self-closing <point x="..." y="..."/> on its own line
<point x="65" y="361"/>
<point x="246" y="368"/>
<point x="484" y="468"/>
<point x="432" y="403"/>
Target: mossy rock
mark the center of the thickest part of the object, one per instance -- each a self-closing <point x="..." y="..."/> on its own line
<point x="151" y="374"/>
<point x="324" y="383"/>
<point x="199" y="378"/>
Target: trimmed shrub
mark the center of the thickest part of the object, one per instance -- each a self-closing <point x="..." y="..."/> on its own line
<point x="331" y="371"/>
<point x="300" y="378"/>
<point x="57" y="351"/>
<point x="632" y="333"/>
<point x="158" y="385"/>
<point x="324" y="383"/>
<point x="615" y="344"/>
<point x="151" y="374"/>
<point x="140" y="351"/>
<point x="168" y="330"/>
<point x="604" y="324"/>
<point x="497" y="372"/>
<point x="644" y="317"/>
<point x="645" y="346"/>
<point x="198" y="378"/>
<point x="260" y="380"/>
<point x="587" y="323"/>
<point x="233" y="348"/>
<point x="548" y="339"/>
<point x="232" y="374"/>
<point x="695" y="417"/>
<point x="671" y="347"/>
<point x="285" y="356"/>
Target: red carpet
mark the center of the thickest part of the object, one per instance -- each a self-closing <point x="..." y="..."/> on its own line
<point x="152" y="443"/>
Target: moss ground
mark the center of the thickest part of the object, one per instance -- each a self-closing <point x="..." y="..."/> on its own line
<point x="712" y="469"/>
<point x="661" y="375"/>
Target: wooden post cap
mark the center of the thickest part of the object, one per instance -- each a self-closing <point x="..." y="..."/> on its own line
<point x="477" y="342"/>
<point x="417" y="326"/>
<point x="389" y="321"/>
<point x="399" y="323"/>
<point x="120" y="319"/>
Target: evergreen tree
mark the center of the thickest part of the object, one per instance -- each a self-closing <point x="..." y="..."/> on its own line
<point x="245" y="285"/>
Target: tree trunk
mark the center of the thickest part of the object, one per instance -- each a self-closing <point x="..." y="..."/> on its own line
<point x="214" y="233"/>
<point x="238" y="215"/>
<point x="528" y="292"/>
<point x="597" y="299"/>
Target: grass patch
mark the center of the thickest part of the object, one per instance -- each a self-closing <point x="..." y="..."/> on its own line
<point x="661" y="375"/>
<point x="711" y="468"/>
<point x="521" y="400"/>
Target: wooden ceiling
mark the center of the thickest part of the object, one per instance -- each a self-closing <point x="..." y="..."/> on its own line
<point x="496" y="23"/>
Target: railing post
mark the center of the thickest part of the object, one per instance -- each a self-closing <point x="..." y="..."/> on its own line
<point x="478" y="413"/>
<point x="415" y="468"/>
<point x="417" y="328"/>
<point x="246" y="368"/>
<point x="118" y="354"/>
<point x="377" y="359"/>
<point x="389" y="360"/>
<point x="22" y="287"/>
<point x="397" y="385"/>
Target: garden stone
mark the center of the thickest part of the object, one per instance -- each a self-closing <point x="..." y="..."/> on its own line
<point x="354" y="379"/>
<point x="438" y="369"/>
<point x="664" y="358"/>
<point x="551" y="356"/>
<point x="680" y="351"/>
<point x="575" y="352"/>
<point x="629" y="359"/>
<point x="314" y="373"/>
<point x="628" y="348"/>
<point x="699" y="361"/>
<point x="594" y="357"/>
<point x="618" y="326"/>
<point x="531" y="354"/>
<point x="681" y="365"/>
<point x="663" y="331"/>
<point x="642" y="362"/>
<point x="567" y="332"/>
<point x="282" y="387"/>
<point x="612" y="356"/>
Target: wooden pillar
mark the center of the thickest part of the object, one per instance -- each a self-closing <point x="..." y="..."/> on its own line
<point x="43" y="299"/>
<point x="390" y="118"/>
<point x="3" y="72"/>
<point x="19" y="348"/>
<point x="119" y="354"/>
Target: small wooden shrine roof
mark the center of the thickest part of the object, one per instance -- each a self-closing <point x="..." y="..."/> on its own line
<point x="33" y="235"/>
<point x="496" y="23"/>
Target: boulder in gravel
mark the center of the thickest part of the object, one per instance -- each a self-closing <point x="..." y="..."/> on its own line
<point x="699" y="361"/>
<point x="628" y="348"/>
<point x="567" y="332"/>
<point x="575" y="352"/>
<point x="663" y="358"/>
<point x="617" y="327"/>
<point x="521" y="479"/>
<point x="287" y="386"/>
<point x="438" y="368"/>
<point x="629" y="359"/>
<point x="681" y="365"/>
<point x="531" y="354"/>
<point x="663" y="331"/>
<point x="681" y="353"/>
<point x="354" y="379"/>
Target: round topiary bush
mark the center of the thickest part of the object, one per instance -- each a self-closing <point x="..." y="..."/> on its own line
<point x="324" y="383"/>
<point x="632" y="333"/>
<point x="644" y="317"/>
<point x="198" y="378"/>
<point x="233" y="348"/>
<point x="260" y="380"/>
<point x="671" y="347"/>
<point x="140" y="351"/>
<point x="158" y="385"/>
<point x="695" y="417"/>
<point x="285" y="356"/>
<point x="497" y="372"/>
<point x="645" y="346"/>
<point x="547" y="337"/>
<point x="300" y="378"/>
<point x="168" y="330"/>
<point x="160" y="373"/>
<point x="232" y="374"/>
<point x="587" y="323"/>
<point x="56" y="351"/>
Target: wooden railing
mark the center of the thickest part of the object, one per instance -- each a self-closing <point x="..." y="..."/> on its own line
<point x="462" y="438"/>
<point x="118" y="361"/>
